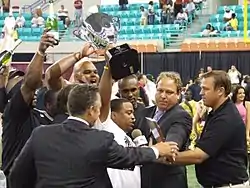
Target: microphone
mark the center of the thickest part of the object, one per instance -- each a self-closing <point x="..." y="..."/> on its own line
<point x="139" y="139"/>
<point x="155" y="130"/>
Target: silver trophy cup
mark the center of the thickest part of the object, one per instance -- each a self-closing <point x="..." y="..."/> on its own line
<point x="99" y="29"/>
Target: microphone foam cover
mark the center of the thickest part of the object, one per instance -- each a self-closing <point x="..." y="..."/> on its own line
<point x="135" y="133"/>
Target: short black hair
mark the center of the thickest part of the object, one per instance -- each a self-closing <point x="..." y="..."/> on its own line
<point x="116" y="104"/>
<point x="49" y="97"/>
<point x="81" y="98"/>
<point x="62" y="98"/>
<point x="120" y="82"/>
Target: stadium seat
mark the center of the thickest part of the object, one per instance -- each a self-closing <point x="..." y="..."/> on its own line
<point x="27" y="24"/>
<point x="26" y="32"/>
<point x="27" y="16"/>
<point x="37" y="31"/>
<point x="130" y="30"/>
<point x="1" y="23"/>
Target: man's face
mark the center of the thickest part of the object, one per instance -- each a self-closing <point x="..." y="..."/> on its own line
<point x="88" y="74"/>
<point x="209" y="69"/>
<point x="209" y="94"/>
<point x="125" y="118"/>
<point x="188" y="95"/>
<point x="94" y="110"/>
<point x="166" y="94"/>
<point x="129" y="90"/>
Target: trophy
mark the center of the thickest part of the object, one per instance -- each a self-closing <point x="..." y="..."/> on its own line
<point x="101" y="30"/>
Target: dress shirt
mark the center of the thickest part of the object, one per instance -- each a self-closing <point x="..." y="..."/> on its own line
<point x="123" y="178"/>
<point x="78" y="119"/>
<point x="158" y="114"/>
<point x="107" y="126"/>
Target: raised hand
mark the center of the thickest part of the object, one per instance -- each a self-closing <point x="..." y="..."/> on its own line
<point x="47" y="40"/>
<point x="87" y="50"/>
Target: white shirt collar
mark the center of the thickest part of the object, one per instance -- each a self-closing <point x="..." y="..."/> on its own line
<point x="78" y="119"/>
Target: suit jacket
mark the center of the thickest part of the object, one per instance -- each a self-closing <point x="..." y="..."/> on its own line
<point x="72" y="155"/>
<point x="176" y="125"/>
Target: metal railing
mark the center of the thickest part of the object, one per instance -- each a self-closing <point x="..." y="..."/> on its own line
<point x="42" y="3"/>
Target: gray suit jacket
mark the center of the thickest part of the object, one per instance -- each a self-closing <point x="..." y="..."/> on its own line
<point x="72" y="155"/>
<point x="176" y="125"/>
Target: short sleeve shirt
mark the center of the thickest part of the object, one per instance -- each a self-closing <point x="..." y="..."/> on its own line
<point x="224" y="140"/>
<point x="18" y="123"/>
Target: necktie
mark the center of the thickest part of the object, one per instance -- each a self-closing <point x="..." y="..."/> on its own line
<point x="158" y="115"/>
<point x="127" y="142"/>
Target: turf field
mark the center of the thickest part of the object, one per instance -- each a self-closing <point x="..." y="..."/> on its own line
<point x="192" y="182"/>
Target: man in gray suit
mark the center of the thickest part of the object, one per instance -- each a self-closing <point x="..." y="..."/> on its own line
<point x="73" y="155"/>
<point x="175" y="124"/>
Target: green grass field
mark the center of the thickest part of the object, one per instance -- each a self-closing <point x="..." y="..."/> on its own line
<point x="192" y="182"/>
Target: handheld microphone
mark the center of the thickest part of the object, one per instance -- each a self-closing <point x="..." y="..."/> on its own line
<point x="155" y="130"/>
<point x="139" y="139"/>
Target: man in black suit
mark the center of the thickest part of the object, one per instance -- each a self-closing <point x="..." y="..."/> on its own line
<point x="175" y="124"/>
<point x="72" y="154"/>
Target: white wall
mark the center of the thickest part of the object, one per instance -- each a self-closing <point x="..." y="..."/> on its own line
<point x="21" y="3"/>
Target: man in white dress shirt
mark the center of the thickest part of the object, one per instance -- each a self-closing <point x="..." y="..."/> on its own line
<point x="122" y="121"/>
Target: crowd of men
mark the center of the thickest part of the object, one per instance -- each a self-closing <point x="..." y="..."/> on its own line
<point x="69" y="133"/>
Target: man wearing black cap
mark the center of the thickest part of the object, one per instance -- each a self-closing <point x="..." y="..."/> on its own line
<point x="18" y="117"/>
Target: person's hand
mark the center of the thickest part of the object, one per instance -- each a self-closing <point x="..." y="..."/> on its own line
<point x="87" y="50"/>
<point x="47" y="40"/>
<point x="167" y="149"/>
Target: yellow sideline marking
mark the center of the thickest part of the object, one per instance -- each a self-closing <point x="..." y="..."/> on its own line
<point x="245" y="18"/>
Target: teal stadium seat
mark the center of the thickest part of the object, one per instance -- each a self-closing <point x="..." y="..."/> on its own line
<point x="61" y="25"/>
<point x="36" y="31"/>
<point x="27" y="16"/>
<point x="122" y="30"/>
<point x="139" y="29"/>
<point x="1" y="23"/>
<point x="130" y="30"/>
<point x="125" y="14"/>
<point x="27" y="23"/>
<point x="157" y="29"/>
<point x="157" y="36"/>
<point x="26" y="32"/>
